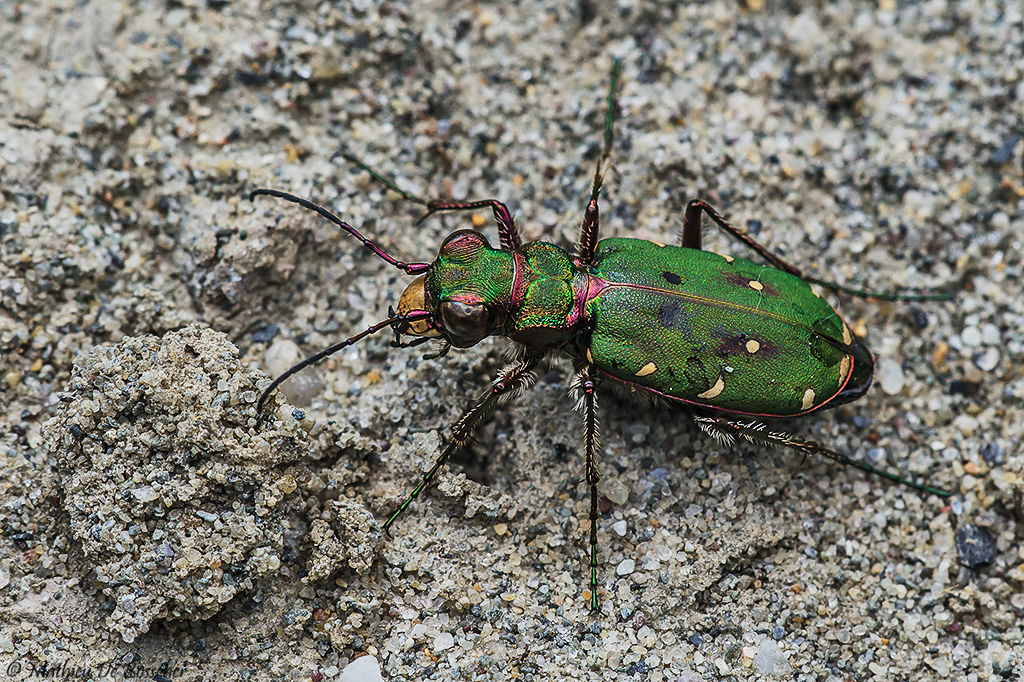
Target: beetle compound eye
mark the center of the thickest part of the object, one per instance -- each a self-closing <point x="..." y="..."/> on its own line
<point x="465" y="320"/>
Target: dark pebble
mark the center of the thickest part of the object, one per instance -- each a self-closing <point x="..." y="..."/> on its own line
<point x="920" y="318"/>
<point x="975" y="545"/>
<point x="961" y="387"/>
<point x="779" y="632"/>
<point x="696" y="639"/>
<point x="638" y="667"/>
<point x="266" y="334"/>
<point x="993" y="453"/>
<point x="1005" y="151"/>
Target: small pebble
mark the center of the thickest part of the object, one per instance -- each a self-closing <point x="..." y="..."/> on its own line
<point x="988" y="360"/>
<point x="625" y="567"/>
<point x="1004" y="152"/>
<point x="444" y="641"/>
<point x="961" y="387"/>
<point x="615" y="491"/>
<point x="363" y="669"/>
<point x="919" y="317"/>
<point x="770" y="660"/>
<point x="975" y="545"/>
<point x="266" y="334"/>
<point x="993" y="453"/>
<point x="638" y="432"/>
<point x="890" y="376"/>
<point x="620" y="528"/>
<point x="990" y="334"/>
<point x="144" y="493"/>
<point x="971" y="336"/>
<point x="966" y="423"/>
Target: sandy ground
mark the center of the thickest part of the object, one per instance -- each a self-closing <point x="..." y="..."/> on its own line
<point x="150" y="531"/>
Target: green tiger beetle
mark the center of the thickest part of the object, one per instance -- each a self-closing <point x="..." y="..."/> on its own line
<point x="730" y="339"/>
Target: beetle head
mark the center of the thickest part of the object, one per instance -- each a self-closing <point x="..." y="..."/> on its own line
<point x="463" y="289"/>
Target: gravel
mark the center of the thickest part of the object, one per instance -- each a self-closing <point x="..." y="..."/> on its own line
<point x="141" y="293"/>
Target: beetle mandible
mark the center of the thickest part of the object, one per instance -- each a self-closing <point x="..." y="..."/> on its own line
<point x="730" y="339"/>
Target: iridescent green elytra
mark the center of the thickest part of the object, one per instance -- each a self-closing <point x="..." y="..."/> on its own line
<point x="717" y="331"/>
<point x="725" y="336"/>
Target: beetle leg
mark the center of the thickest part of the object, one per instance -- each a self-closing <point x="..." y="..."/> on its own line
<point x="398" y="343"/>
<point x="507" y="230"/>
<point x="591" y="217"/>
<point x="692" y="234"/>
<point x="728" y="430"/>
<point x="589" y="228"/>
<point x="584" y="383"/>
<point x="692" y="240"/>
<point x="513" y="379"/>
<point x="508" y="233"/>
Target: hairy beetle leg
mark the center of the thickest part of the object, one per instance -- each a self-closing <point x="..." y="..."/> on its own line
<point x="692" y="240"/>
<point x="513" y="379"/>
<point x="727" y="430"/>
<point x="591" y="217"/>
<point x="585" y="384"/>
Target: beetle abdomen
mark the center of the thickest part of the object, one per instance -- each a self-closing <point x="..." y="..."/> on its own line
<point x="702" y="328"/>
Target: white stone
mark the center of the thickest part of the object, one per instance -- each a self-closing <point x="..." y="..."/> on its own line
<point x="444" y="641"/>
<point x="363" y="669"/>
<point x="890" y="376"/>
<point x="971" y="337"/>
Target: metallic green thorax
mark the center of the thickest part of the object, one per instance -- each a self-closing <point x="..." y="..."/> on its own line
<point x="691" y="325"/>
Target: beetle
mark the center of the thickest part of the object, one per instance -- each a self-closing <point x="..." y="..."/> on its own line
<point x="728" y="338"/>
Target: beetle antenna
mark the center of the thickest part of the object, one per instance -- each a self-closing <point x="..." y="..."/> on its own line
<point x="331" y="350"/>
<point x="411" y="268"/>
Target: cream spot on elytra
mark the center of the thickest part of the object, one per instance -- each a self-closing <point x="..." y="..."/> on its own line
<point x="844" y="368"/>
<point x="808" y="402"/>
<point x="714" y="390"/>
<point x="649" y="368"/>
<point x="847" y="336"/>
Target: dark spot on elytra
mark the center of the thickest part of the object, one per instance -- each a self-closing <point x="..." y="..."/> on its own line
<point x="696" y="374"/>
<point x="671" y="315"/>
<point x="736" y="344"/>
<point x="671" y="277"/>
<point x="731" y="344"/>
